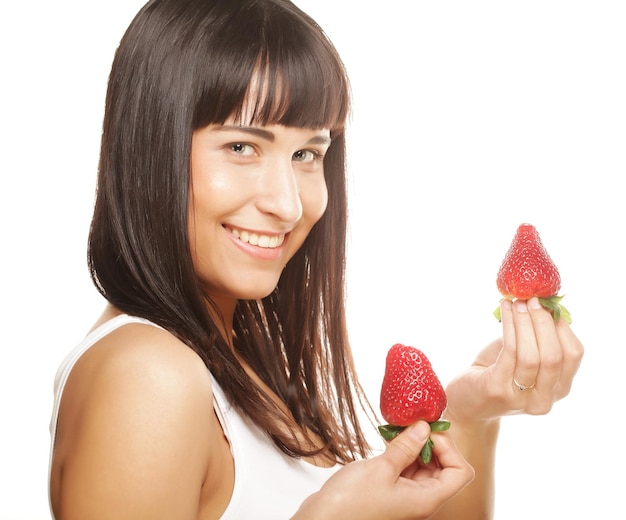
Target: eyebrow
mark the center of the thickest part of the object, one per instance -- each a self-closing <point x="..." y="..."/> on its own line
<point x="269" y="136"/>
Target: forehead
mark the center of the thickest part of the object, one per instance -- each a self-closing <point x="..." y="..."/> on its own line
<point x="294" y="87"/>
<point x="265" y="101"/>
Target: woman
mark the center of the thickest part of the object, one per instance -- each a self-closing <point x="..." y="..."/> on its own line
<point x="218" y="383"/>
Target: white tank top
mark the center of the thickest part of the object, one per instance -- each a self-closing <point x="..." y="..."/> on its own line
<point x="269" y="485"/>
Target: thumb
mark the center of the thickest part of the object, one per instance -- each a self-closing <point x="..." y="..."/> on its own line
<point x="406" y="447"/>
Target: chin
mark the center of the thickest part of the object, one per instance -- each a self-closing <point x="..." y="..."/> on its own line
<point x="258" y="295"/>
<point x="256" y="291"/>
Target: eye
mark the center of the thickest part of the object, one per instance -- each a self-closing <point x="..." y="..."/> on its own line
<point x="307" y="156"/>
<point x="241" y="149"/>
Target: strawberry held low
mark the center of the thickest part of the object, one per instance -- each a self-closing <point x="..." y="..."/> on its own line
<point x="411" y="392"/>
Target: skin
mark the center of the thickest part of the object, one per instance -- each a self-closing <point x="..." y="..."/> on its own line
<point x="267" y="181"/>
<point x="533" y="348"/>
<point x="134" y="437"/>
<point x="137" y="435"/>
<point x="395" y="484"/>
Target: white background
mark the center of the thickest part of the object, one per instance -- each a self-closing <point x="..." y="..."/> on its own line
<point x="469" y="119"/>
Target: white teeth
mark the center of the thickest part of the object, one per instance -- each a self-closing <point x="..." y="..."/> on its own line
<point x="255" y="239"/>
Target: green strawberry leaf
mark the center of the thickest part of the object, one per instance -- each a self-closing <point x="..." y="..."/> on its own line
<point x="553" y="304"/>
<point x="427" y="451"/>
<point x="390" y="431"/>
<point x="439" y="426"/>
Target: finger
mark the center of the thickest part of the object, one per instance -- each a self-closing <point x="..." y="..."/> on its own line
<point x="505" y="364"/>
<point x="406" y="447"/>
<point x="573" y="352"/>
<point x="549" y="347"/>
<point x="527" y="351"/>
<point x="455" y="472"/>
<point x="517" y="332"/>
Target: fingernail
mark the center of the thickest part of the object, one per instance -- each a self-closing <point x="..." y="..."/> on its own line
<point x="419" y="431"/>
<point x="533" y="303"/>
<point x="520" y="306"/>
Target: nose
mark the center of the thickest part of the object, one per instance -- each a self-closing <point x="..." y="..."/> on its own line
<point x="278" y="191"/>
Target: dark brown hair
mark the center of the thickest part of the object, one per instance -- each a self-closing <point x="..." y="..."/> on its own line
<point x="181" y="65"/>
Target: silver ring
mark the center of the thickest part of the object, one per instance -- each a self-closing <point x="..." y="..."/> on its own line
<point x="522" y="387"/>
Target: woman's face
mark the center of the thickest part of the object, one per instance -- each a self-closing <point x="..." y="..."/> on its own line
<point x="256" y="192"/>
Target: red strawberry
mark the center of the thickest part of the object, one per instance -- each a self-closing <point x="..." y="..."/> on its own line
<point x="528" y="270"/>
<point x="411" y="391"/>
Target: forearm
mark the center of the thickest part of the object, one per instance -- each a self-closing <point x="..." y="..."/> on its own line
<point x="477" y="442"/>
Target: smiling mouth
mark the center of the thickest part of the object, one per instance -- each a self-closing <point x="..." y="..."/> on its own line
<point x="256" y="239"/>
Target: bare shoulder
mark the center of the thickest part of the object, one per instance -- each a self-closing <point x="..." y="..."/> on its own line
<point x="136" y="420"/>
<point x="139" y="360"/>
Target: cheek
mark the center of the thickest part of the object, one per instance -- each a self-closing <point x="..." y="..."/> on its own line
<point x="314" y="197"/>
<point x="203" y="208"/>
<point x="192" y="230"/>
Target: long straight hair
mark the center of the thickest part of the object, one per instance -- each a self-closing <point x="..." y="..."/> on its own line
<point x="182" y="65"/>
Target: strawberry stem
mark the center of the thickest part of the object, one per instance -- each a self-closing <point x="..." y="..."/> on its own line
<point x="390" y="431"/>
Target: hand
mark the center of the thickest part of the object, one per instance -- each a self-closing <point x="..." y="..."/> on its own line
<point x="394" y="484"/>
<point x="534" y="352"/>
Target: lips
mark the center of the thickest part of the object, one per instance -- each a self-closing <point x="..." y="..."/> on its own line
<point x="257" y="239"/>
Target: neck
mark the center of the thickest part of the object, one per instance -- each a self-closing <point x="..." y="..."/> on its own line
<point x="222" y="310"/>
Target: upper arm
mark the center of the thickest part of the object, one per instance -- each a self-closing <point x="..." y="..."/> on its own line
<point x="135" y="424"/>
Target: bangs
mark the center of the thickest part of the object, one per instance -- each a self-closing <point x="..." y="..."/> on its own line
<point x="273" y="70"/>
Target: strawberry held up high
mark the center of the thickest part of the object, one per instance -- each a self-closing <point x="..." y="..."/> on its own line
<point x="527" y="270"/>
